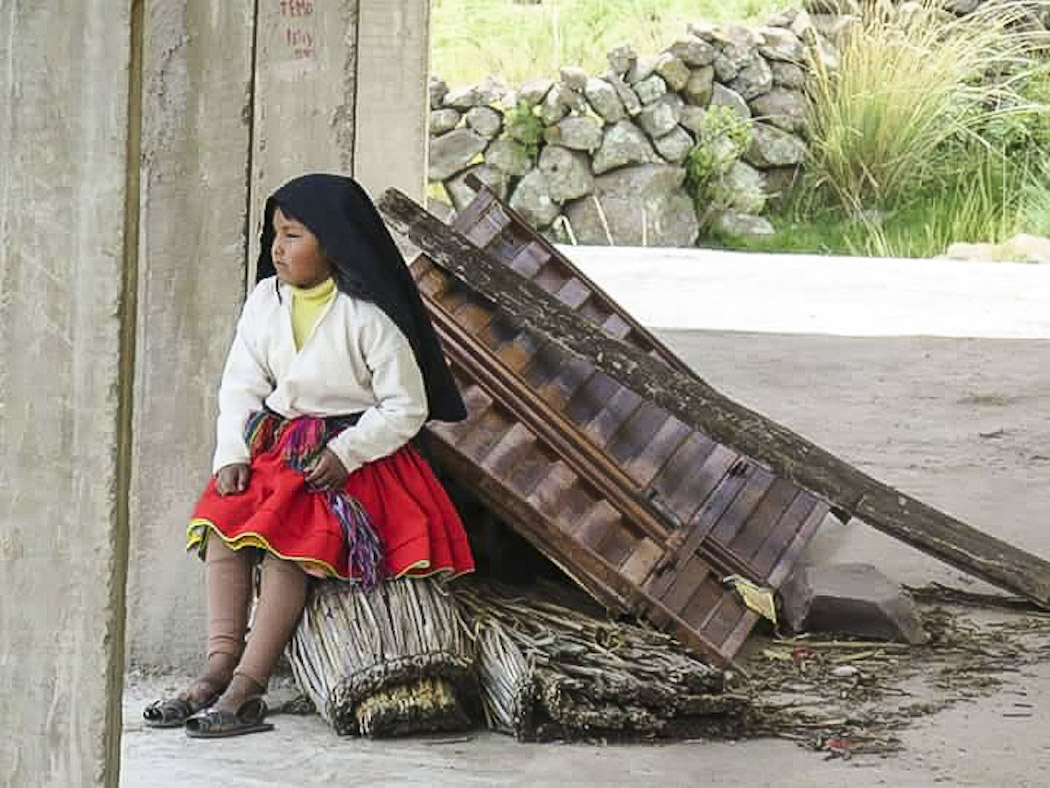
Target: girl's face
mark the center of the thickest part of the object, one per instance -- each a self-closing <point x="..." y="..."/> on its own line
<point x="297" y="254"/>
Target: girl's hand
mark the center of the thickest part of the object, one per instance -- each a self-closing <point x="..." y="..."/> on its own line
<point x="327" y="472"/>
<point x="232" y="479"/>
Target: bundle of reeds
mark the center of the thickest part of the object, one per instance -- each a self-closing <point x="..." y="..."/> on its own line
<point x="547" y="671"/>
<point x="384" y="662"/>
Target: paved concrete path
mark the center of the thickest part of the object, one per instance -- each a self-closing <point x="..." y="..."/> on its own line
<point x="809" y="294"/>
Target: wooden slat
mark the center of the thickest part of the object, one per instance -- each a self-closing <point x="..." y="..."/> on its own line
<point x="593" y="527"/>
<point x="757" y="482"/>
<point x="613" y="416"/>
<point x="642" y="560"/>
<point x="673" y="482"/>
<point x="748" y="541"/>
<point x="768" y="555"/>
<point x="651" y="460"/>
<point x="548" y="493"/>
<point x="636" y="434"/>
<point x="529" y="260"/>
<point x="590" y="398"/>
<point x="794" y="549"/>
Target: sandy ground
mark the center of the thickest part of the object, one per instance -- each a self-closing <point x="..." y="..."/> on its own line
<point x="956" y="418"/>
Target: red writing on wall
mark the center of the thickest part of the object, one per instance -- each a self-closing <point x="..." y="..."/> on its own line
<point x="298" y="38"/>
<point x="297" y="7"/>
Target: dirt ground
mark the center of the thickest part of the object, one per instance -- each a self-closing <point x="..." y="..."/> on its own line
<point x="960" y="423"/>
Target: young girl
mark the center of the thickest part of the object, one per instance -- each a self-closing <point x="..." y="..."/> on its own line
<point x="334" y="368"/>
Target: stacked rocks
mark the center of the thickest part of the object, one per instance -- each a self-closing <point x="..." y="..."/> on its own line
<point x="601" y="159"/>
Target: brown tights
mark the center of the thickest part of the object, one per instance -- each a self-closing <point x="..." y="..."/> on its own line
<point x="236" y="669"/>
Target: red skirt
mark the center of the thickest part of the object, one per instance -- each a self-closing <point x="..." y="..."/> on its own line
<point x="419" y="530"/>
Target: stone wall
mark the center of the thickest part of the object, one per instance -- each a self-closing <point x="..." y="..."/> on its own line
<point x="603" y="159"/>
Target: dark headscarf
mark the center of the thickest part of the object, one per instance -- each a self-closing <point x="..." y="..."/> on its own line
<point x="366" y="264"/>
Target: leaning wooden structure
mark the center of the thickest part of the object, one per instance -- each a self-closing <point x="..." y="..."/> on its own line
<point x="645" y="484"/>
<point x="647" y="512"/>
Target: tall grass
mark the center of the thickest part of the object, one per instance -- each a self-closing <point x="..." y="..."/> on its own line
<point x="519" y="41"/>
<point x="884" y="123"/>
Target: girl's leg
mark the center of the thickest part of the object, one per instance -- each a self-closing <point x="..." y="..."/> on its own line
<point x="281" y="602"/>
<point x="229" y="585"/>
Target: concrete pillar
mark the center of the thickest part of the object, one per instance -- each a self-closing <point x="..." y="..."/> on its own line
<point x="390" y="139"/>
<point x="66" y="303"/>
<point x="197" y="66"/>
<point x="305" y="86"/>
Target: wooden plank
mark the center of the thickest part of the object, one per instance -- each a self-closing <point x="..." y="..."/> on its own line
<point x="547" y="496"/>
<point x="763" y="520"/>
<point x="601" y="580"/>
<point x="641" y="561"/>
<point x="572" y="374"/>
<point x="676" y="589"/>
<point x="726" y="614"/>
<point x="550" y="277"/>
<point x="532" y="468"/>
<point x="699" y="405"/>
<point x="787" y="560"/>
<point x="530" y="260"/>
<point x="703" y="604"/>
<point x="590" y="397"/>
<point x="506" y="455"/>
<point x="768" y="555"/>
<point x="647" y="464"/>
<point x="595" y="525"/>
<point x="688" y="540"/>
<point x="617" y="545"/>
<point x="573" y="293"/>
<point x="616" y="327"/>
<point x="757" y="483"/>
<point x="672" y="482"/>
<point x="635" y="434"/>
<point x="484" y="433"/>
<point x="735" y="639"/>
<point x="473" y="212"/>
<point x="473" y="312"/>
<point x="614" y="415"/>
<point x="545" y="364"/>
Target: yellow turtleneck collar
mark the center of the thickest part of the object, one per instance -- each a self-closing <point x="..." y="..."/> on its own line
<point x="321" y="292"/>
<point x="307" y="305"/>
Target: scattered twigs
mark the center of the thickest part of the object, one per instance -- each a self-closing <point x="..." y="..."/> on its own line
<point x="848" y="697"/>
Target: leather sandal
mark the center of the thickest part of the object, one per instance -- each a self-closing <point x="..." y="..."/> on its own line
<point x="215" y="723"/>
<point x="173" y="712"/>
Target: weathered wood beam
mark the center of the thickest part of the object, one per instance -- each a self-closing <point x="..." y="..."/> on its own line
<point x="695" y="402"/>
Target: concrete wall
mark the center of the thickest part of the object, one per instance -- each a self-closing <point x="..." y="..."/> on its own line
<point x="305" y="85"/>
<point x="391" y="117"/>
<point x="194" y="197"/>
<point x="64" y="87"/>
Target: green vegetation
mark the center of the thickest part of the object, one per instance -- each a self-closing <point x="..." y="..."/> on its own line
<point x="722" y="138"/>
<point x="519" y="41"/>
<point x="931" y="131"/>
<point x="524" y="125"/>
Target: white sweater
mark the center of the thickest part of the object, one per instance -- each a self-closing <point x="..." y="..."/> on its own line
<point x="355" y="360"/>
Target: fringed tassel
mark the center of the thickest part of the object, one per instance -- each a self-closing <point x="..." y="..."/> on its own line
<point x="306" y="439"/>
<point x="362" y="542"/>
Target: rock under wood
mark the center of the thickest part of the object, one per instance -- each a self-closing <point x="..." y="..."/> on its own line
<point x="853" y="599"/>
